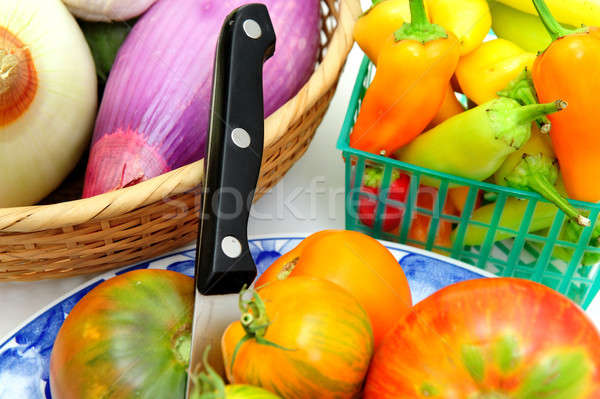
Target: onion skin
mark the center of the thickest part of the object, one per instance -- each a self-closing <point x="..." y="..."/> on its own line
<point x="48" y="101"/>
<point x="107" y="10"/>
<point x="157" y="97"/>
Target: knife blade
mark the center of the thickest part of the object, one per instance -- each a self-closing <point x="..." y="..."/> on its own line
<point x="232" y="164"/>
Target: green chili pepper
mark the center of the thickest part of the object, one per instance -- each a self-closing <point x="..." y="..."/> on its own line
<point x="541" y="220"/>
<point x="475" y="143"/>
<point x="534" y="167"/>
<point x="511" y="218"/>
<point x="571" y="233"/>
<point x="538" y="143"/>
<point x="539" y="173"/>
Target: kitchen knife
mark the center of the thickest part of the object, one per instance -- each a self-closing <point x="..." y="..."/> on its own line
<point x="232" y="165"/>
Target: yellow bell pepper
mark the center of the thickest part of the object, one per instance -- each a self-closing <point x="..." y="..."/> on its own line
<point x="525" y="30"/>
<point x="468" y="20"/>
<point x="489" y="69"/>
<point x="571" y="12"/>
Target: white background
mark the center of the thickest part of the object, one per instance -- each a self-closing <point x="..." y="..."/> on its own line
<point x="292" y="207"/>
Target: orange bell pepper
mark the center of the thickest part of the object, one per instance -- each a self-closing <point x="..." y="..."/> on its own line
<point x="379" y="22"/>
<point x="413" y="73"/>
<point x="450" y="107"/>
<point x="458" y="197"/>
<point x="568" y="69"/>
<point x="469" y="20"/>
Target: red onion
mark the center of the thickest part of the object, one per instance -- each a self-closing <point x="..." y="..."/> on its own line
<point x="154" y="113"/>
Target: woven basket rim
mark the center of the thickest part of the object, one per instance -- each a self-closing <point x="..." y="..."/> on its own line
<point x="184" y="179"/>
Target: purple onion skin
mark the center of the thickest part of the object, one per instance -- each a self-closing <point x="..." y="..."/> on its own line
<point x="154" y="113"/>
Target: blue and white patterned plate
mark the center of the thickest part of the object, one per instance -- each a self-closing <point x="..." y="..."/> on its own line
<point x="25" y="354"/>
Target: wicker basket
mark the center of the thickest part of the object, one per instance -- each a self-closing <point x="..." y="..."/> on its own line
<point x="139" y="222"/>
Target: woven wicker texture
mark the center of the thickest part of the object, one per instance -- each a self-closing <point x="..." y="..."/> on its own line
<point x="139" y="222"/>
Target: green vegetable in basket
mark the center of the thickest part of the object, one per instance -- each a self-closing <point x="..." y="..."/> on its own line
<point x="534" y="167"/>
<point x="521" y="89"/>
<point x="511" y="218"/>
<point x="531" y="168"/>
<point x="104" y="40"/>
<point x="543" y="216"/>
<point x="571" y="234"/>
<point x="524" y="29"/>
<point x="475" y="143"/>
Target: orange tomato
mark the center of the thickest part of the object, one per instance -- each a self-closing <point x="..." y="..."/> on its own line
<point x="358" y="263"/>
<point x="323" y="339"/>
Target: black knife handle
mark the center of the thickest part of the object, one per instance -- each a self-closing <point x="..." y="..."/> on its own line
<point x="234" y="151"/>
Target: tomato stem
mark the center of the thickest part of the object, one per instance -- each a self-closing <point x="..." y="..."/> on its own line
<point x="207" y="385"/>
<point x="255" y="322"/>
<point x="183" y="347"/>
<point x="492" y="395"/>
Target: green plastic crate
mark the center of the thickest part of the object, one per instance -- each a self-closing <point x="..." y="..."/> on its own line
<point x="526" y="255"/>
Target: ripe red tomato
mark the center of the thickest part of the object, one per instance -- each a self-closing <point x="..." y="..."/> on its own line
<point x="356" y="262"/>
<point x="489" y="338"/>
<point x="128" y="337"/>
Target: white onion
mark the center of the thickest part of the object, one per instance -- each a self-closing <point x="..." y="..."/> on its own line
<point x="108" y="10"/>
<point x="48" y="98"/>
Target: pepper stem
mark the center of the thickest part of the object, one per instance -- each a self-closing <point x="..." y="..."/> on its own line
<point x="419" y="29"/>
<point x="572" y="234"/>
<point x="541" y="184"/>
<point x="522" y="90"/>
<point x="554" y="28"/>
<point x="529" y="113"/>
<point x="418" y="16"/>
<point x="539" y="173"/>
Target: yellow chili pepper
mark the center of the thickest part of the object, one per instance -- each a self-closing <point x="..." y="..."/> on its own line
<point x="490" y="68"/>
<point x="409" y="87"/>
<point x="523" y="29"/>
<point x="378" y="23"/>
<point x="468" y="20"/>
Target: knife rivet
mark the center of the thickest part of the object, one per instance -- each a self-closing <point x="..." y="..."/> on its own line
<point x="240" y="137"/>
<point x="231" y="247"/>
<point x="252" y="29"/>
